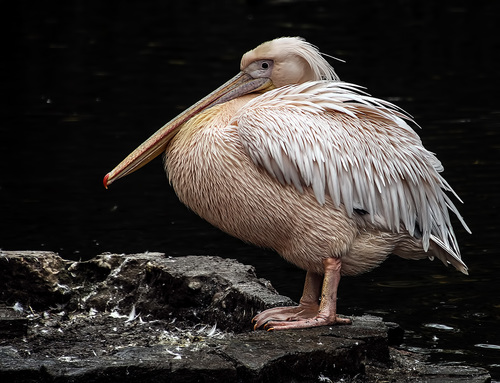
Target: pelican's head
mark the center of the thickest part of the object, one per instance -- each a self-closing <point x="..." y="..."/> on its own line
<point x="286" y="61"/>
<point x="276" y="63"/>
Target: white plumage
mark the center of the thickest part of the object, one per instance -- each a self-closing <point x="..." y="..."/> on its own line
<point x="357" y="149"/>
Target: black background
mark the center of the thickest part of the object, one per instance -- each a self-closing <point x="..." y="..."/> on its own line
<point x="85" y="82"/>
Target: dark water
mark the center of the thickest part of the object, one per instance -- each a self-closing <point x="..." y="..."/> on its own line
<point x="87" y="81"/>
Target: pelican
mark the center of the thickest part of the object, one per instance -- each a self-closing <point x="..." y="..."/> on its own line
<point x="288" y="157"/>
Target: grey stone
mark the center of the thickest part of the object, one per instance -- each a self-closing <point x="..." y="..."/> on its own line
<point x="147" y="317"/>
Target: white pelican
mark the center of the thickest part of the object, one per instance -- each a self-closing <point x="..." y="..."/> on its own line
<point x="288" y="157"/>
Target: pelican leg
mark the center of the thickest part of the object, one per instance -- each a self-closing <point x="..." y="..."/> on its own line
<point x="308" y="306"/>
<point x="327" y="313"/>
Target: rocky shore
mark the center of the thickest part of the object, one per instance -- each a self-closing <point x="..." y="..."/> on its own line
<point x="147" y="317"/>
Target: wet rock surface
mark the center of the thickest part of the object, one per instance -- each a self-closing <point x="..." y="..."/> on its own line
<point x="154" y="318"/>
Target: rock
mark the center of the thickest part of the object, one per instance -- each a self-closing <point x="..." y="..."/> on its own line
<point x="149" y="317"/>
<point x="36" y="278"/>
<point x="12" y="323"/>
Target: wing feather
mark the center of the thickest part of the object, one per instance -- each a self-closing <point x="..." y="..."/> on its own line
<point x="358" y="150"/>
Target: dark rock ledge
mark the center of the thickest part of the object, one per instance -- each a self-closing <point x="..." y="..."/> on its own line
<point x="150" y="318"/>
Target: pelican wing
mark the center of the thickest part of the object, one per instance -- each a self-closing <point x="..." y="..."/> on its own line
<point x="356" y="149"/>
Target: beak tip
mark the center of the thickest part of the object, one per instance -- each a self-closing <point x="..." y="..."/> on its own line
<point x="105" y="180"/>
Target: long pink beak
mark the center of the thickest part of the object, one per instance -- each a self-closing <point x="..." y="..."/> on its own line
<point x="239" y="85"/>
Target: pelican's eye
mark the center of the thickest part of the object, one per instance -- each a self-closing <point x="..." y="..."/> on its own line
<point x="260" y="68"/>
<point x="265" y="64"/>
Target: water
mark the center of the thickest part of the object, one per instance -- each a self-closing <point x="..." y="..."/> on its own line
<point x="88" y="81"/>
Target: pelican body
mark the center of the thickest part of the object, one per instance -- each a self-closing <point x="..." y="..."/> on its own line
<point x="288" y="157"/>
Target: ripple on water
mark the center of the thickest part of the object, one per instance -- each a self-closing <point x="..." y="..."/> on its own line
<point x="440" y="326"/>
<point x="488" y="346"/>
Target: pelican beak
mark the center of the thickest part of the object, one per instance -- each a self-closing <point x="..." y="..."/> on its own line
<point x="239" y="85"/>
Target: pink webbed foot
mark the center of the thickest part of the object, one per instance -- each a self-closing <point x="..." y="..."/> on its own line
<point x="285" y="314"/>
<point x="316" y="321"/>
<point x="309" y="313"/>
